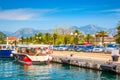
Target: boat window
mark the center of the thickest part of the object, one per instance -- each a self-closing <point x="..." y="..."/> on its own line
<point x="4" y="47"/>
<point x="13" y="47"/>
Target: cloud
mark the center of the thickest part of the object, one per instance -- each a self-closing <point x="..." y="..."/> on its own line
<point x="23" y="14"/>
<point x="112" y="10"/>
<point x="69" y="9"/>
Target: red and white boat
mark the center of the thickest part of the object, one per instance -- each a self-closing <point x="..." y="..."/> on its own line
<point x="27" y="54"/>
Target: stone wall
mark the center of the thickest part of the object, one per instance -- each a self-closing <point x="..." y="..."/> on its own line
<point x="87" y="62"/>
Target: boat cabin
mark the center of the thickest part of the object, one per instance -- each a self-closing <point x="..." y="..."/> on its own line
<point x="33" y="49"/>
<point x="7" y="47"/>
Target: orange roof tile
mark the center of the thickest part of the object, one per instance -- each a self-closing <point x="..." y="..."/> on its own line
<point x="11" y="38"/>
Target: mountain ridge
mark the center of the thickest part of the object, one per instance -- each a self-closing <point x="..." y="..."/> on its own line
<point x="87" y="29"/>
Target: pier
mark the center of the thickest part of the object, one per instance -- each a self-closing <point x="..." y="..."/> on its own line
<point x="86" y="60"/>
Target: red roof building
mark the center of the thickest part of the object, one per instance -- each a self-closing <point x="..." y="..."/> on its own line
<point x="10" y="39"/>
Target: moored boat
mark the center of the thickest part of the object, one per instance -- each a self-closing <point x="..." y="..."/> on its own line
<point x="33" y="54"/>
<point x="108" y="67"/>
<point x="6" y="50"/>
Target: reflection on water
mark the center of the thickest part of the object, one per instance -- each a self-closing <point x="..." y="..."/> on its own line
<point x="10" y="70"/>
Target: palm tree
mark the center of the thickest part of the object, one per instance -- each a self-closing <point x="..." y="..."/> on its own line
<point x="102" y="34"/>
<point x="76" y="37"/>
<point x="47" y="37"/>
<point x="54" y="38"/>
<point x="65" y="40"/>
<point x="22" y="39"/>
<point x="88" y="37"/>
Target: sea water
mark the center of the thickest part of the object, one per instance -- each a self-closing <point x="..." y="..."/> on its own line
<point x="11" y="70"/>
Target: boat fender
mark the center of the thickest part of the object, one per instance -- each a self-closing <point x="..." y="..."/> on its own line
<point x="11" y="55"/>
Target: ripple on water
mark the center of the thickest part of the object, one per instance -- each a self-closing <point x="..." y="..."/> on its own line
<point x="10" y="70"/>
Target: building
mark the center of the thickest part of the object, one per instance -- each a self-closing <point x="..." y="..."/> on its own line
<point x="11" y="39"/>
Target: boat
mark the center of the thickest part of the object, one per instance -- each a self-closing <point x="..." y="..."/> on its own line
<point x="33" y="54"/>
<point x="108" y="67"/>
<point x="6" y="50"/>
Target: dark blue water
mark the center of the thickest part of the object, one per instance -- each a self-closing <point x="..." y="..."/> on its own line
<point x="11" y="70"/>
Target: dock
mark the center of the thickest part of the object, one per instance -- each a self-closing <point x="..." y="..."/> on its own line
<point x="86" y="59"/>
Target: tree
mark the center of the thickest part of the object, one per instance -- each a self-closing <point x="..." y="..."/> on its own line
<point x="117" y="36"/>
<point x="118" y="29"/>
<point x="65" y="40"/>
<point x="54" y="38"/>
<point x="77" y="33"/>
<point x="2" y="36"/>
<point x="47" y="37"/>
<point x="22" y="39"/>
<point x="102" y="34"/>
<point x="88" y="38"/>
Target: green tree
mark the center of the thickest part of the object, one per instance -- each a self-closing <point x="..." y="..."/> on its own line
<point x="102" y="34"/>
<point x="76" y="35"/>
<point x="65" y="40"/>
<point x="54" y="38"/>
<point x="117" y="36"/>
<point x="2" y="37"/>
<point x="47" y="38"/>
<point x="22" y="39"/>
<point x="88" y="37"/>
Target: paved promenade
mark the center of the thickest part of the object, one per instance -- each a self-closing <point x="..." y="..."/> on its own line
<point x="98" y="56"/>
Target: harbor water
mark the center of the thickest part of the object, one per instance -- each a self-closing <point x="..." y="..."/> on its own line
<point x="11" y="70"/>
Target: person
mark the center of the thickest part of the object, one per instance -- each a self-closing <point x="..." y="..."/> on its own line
<point x="44" y="51"/>
<point x="47" y="50"/>
<point x="115" y="54"/>
<point x="38" y="51"/>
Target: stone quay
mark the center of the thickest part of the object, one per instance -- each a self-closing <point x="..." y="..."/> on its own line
<point x="86" y="59"/>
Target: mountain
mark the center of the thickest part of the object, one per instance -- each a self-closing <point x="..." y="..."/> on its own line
<point x="26" y="32"/>
<point x="88" y="29"/>
<point x="7" y="33"/>
<point x="2" y="35"/>
<point x="92" y="29"/>
<point x="112" y="31"/>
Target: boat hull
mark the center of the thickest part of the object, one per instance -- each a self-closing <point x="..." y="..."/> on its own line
<point x="5" y="53"/>
<point x="26" y="59"/>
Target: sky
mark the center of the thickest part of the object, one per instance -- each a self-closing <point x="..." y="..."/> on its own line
<point x="48" y="14"/>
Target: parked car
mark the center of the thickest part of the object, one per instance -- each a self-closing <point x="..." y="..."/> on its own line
<point x="88" y="48"/>
<point x="63" y="47"/>
<point x="79" y="48"/>
<point x="55" y="47"/>
<point x="98" y="49"/>
<point x="70" y="47"/>
<point x="110" y="47"/>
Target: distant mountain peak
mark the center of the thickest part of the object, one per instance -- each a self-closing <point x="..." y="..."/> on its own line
<point x="87" y="29"/>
